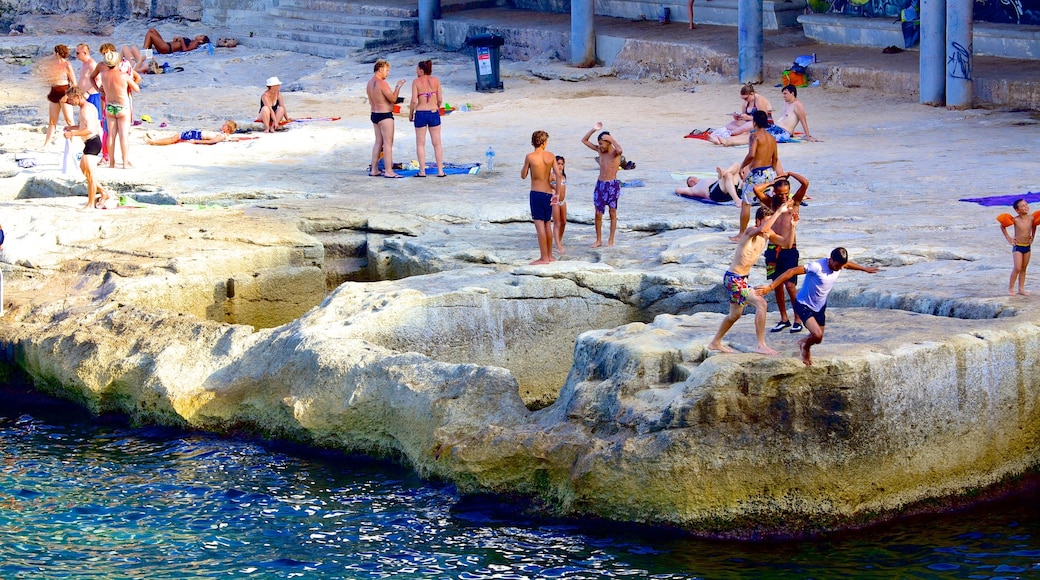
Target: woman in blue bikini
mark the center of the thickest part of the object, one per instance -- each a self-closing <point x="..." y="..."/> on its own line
<point x="425" y="112"/>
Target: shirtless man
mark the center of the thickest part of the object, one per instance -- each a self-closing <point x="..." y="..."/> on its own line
<point x="608" y="188"/>
<point x="750" y="245"/>
<point x="780" y="258"/>
<point x="541" y="164"/>
<point x="784" y="128"/>
<point x="195" y="136"/>
<point x="1021" y="244"/>
<point x="763" y="164"/>
<point x="152" y="39"/>
<point x="382" y="100"/>
<point x="117" y="84"/>
<point x="90" y="130"/>
<point x="721" y="190"/>
<point x="811" y="304"/>
<point x="85" y="82"/>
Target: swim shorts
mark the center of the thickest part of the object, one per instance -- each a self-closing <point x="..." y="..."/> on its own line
<point x="782" y="261"/>
<point x="757" y="176"/>
<point x="114" y="110"/>
<point x="715" y="193"/>
<point x="606" y="194"/>
<point x="378" y="117"/>
<point x="779" y="132"/>
<point x="737" y="286"/>
<point x="427" y="119"/>
<point x="57" y="93"/>
<point x="1021" y="249"/>
<point x="192" y="135"/>
<point x="92" y="146"/>
<point x="804" y="313"/>
<point x="541" y="208"/>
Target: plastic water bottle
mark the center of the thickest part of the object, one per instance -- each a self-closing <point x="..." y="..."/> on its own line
<point x="490" y="154"/>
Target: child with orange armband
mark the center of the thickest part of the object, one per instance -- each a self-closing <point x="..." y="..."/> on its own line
<point x="1021" y="244"/>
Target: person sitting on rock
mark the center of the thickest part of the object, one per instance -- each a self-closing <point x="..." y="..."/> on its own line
<point x="195" y="136"/>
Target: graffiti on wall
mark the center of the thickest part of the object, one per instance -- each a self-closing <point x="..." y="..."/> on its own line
<point x="1005" y="11"/>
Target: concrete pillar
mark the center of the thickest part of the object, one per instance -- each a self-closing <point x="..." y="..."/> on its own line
<point x="959" y="29"/>
<point x="429" y="10"/>
<point x="583" y="33"/>
<point x="749" y="41"/>
<point x="933" y="53"/>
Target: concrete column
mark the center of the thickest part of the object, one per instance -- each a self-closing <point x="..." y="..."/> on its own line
<point x="583" y="33"/>
<point x="429" y="10"/>
<point x="749" y="41"/>
<point x="933" y="53"/>
<point x="959" y="29"/>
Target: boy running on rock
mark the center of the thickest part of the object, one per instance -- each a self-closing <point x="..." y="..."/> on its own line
<point x="811" y="303"/>
<point x="608" y="188"/>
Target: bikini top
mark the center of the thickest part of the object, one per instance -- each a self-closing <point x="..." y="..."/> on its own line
<point x="427" y="94"/>
<point x="754" y="107"/>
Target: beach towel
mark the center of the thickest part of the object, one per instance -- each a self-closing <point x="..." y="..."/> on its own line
<point x="708" y="201"/>
<point x="1007" y="200"/>
<point x="301" y="120"/>
<point x="431" y="169"/>
<point x="633" y="183"/>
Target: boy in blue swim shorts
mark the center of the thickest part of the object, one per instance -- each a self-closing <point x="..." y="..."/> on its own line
<point x="608" y="188"/>
<point x="541" y="164"/>
<point x="195" y="136"/>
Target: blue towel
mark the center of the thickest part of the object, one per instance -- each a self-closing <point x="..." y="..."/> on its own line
<point x="1007" y="200"/>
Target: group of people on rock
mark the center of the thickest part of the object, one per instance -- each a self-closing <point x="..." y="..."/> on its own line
<point x="424" y="112"/>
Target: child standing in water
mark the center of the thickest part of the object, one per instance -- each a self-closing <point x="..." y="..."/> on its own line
<point x="541" y="164"/>
<point x="1021" y="244"/>
<point x="608" y="188"/>
<point x="559" y="210"/>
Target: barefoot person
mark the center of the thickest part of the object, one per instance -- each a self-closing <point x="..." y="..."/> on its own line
<point x="763" y="163"/>
<point x="272" y="110"/>
<point x="811" y="304"/>
<point x="382" y="100"/>
<point x="721" y="190"/>
<point x="89" y="130"/>
<point x="195" y="136"/>
<point x="117" y="85"/>
<point x="154" y="40"/>
<point x="784" y="127"/>
<point x="743" y="120"/>
<point x="541" y="164"/>
<point x="1021" y="244"/>
<point x="58" y="74"/>
<point x="85" y="82"/>
<point x="608" y="188"/>
<point x="750" y="245"/>
<point x="425" y="113"/>
<point x="559" y="211"/>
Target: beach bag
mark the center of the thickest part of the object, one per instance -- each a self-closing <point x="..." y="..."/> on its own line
<point x="792" y="77"/>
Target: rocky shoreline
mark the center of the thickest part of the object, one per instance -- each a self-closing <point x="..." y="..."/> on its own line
<point x="399" y="318"/>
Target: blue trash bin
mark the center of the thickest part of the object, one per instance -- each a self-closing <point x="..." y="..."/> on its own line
<point x="486" y="58"/>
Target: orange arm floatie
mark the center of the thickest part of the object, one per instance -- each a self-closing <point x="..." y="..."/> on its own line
<point x="1036" y="218"/>
<point x="1006" y="220"/>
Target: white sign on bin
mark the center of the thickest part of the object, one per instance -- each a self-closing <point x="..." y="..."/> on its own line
<point x="484" y="60"/>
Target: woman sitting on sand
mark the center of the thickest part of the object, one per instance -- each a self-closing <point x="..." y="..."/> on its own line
<point x="152" y="39"/>
<point x="794" y="115"/>
<point x="742" y="120"/>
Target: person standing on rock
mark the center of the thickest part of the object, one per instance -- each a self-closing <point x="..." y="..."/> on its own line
<point x="1021" y="244"/>
<point x="382" y="100"/>
<point x="86" y="83"/>
<point x="811" y="303"/>
<point x="750" y="246"/>
<point x="608" y="188"/>
<point x="763" y="163"/>
<point x="117" y="85"/>
<point x="425" y="113"/>
<point x="58" y="74"/>
<point x="541" y="164"/>
<point x="89" y="130"/>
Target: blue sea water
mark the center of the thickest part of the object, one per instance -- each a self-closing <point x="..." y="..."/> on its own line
<point x="88" y="498"/>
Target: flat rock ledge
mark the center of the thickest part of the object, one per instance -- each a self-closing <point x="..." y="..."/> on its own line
<point x="441" y="370"/>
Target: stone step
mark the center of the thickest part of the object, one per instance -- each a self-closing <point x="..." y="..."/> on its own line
<point x="283" y="14"/>
<point x="404" y="10"/>
<point x="357" y="42"/>
<point x="323" y="50"/>
<point x="381" y="30"/>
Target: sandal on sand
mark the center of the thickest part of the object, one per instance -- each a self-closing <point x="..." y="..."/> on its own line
<point x="394" y="176"/>
<point x="696" y="132"/>
<point x="780" y="326"/>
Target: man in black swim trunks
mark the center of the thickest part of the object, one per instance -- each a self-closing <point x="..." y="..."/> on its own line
<point x="721" y="190"/>
<point x="89" y="129"/>
<point x="382" y="101"/>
